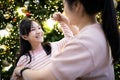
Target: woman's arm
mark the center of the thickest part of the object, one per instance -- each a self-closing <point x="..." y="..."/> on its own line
<point x="58" y="46"/>
<point x="63" y="19"/>
<point x="28" y="74"/>
<point x="63" y="24"/>
<point x="66" y="30"/>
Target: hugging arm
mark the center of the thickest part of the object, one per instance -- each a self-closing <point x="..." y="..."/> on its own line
<point x="28" y="74"/>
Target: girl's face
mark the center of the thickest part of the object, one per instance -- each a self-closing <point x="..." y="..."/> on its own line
<point x="36" y="34"/>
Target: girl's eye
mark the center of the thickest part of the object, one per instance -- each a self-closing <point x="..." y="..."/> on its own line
<point x="39" y="27"/>
<point x="32" y="29"/>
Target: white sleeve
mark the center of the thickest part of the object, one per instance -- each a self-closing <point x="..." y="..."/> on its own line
<point x="73" y="62"/>
<point x="66" y="30"/>
<point x="58" y="46"/>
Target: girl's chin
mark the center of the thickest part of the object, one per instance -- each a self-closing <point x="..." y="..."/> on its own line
<point x="41" y="40"/>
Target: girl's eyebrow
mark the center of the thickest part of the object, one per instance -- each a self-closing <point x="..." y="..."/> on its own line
<point x="32" y="26"/>
<point x="39" y="26"/>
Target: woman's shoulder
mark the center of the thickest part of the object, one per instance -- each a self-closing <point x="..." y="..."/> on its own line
<point x="91" y="37"/>
<point x="92" y="32"/>
<point x="90" y="28"/>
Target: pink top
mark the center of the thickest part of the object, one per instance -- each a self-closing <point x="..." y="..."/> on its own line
<point x="40" y="59"/>
<point x="85" y="57"/>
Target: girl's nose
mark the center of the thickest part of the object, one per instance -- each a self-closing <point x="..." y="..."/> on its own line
<point x="38" y="31"/>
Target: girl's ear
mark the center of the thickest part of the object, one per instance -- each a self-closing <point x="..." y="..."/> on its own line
<point x="25" y="37"/>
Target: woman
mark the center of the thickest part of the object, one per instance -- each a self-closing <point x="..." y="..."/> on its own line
<point x="34" y="53"/>
<point x="89" y="55"/>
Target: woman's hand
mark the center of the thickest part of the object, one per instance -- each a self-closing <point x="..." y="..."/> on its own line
<point x="63" y="20"/>
<point x="60" y="18"/>
<point x="20" y="75"/>
<point x="43" y="74"/>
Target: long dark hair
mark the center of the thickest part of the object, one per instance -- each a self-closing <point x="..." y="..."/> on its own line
<point x="25" y="46"/>
<point x="109" y="22"/>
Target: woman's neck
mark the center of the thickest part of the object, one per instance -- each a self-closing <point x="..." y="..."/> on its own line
<point x="86" y="20"/>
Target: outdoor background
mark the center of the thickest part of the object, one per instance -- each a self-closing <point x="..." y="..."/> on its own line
<point x="13" y="11"/>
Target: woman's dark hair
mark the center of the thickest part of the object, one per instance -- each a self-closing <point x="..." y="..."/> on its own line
<point x="25" y="46"/>
<point x="109" y="22"/>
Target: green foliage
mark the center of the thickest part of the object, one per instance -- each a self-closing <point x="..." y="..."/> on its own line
<point x="117" y="70"/>
<point x="41" y="11"/>
<point x="45" y="8"/>
<point x="55" y="31"/>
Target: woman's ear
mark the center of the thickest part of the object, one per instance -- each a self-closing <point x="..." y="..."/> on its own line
<point x="25" y="37"/>
<point x="79" y="9"/>
<point x="77" y="6"/>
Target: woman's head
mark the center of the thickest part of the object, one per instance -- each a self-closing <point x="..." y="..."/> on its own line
<point x="75" y="9"/>
<point x="91" y="7"/>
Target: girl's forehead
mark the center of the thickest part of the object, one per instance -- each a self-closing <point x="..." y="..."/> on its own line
<point x="35" y="24"/>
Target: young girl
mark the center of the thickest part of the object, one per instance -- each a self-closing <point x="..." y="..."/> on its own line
<point x="33" y="52"/>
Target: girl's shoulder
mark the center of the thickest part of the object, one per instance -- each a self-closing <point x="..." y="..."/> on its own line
<point x="23" y="59"/>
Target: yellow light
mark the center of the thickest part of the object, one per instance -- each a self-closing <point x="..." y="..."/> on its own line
<point x="8" y="67"/>
<point x="3" y="47"/>
<point x="20" y="11"/>
<point x="50" y="23"/>
<point x="4" y="33"/>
